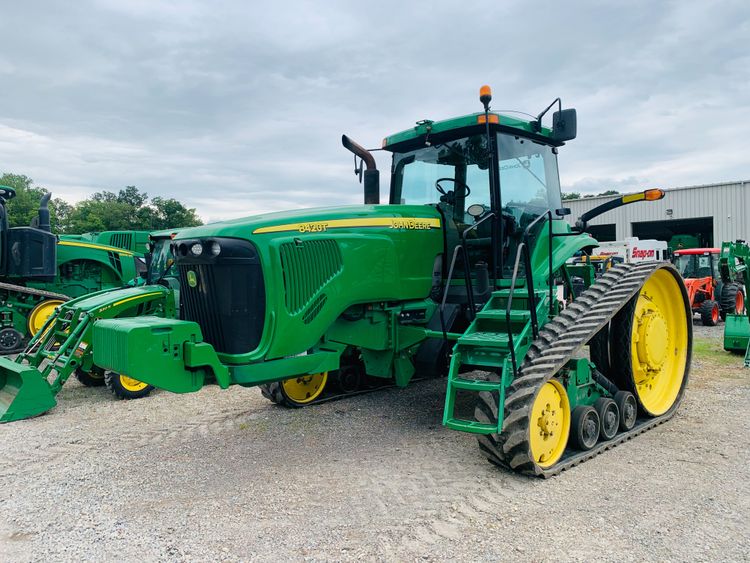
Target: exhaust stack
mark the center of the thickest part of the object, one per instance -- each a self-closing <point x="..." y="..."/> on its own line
<point x="44" y="213"/>
<point x="371" y="174"/>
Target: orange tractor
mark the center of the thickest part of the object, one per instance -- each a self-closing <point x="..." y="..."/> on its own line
<point x="714" y="291"/>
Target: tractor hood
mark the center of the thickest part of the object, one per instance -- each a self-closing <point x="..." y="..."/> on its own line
<point x="318" y="220"/>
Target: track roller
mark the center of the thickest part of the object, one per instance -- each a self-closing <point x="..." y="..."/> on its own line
<point x="628" y="409"/>
<point x="609" y="417"/>
<point x="296" y="392"/>
<point x="586" y="427"/>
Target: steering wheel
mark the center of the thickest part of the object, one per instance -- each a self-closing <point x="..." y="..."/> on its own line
<point x="459" y="184"/>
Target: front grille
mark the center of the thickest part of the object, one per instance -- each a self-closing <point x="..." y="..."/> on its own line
<point x="225" y="295"/>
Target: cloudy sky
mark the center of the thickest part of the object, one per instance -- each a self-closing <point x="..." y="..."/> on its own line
<point x="238" y="107"/>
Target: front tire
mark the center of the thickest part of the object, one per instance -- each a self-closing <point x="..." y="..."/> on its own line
<point x="732" y="300"/>
<point x="124" y="387"/>
<point x="710" y="313"/>
<point x="92" y="378"/>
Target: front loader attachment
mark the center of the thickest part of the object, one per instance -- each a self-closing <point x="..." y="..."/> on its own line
<point x="737" y="336"/>
<point x="24" y="392"/>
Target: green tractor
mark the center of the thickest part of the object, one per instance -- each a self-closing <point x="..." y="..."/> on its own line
<point x="134" y="241"/>
<point x="734" y="265"/>
<point x="62" y="346"/>
<point x="39" y="271"/>
<point x="454" y="276"/>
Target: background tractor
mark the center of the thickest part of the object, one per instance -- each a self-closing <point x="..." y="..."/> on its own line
<point x="62" y="346"/>
<point x="734" y="263"/>
<point x="39" y="270"/>
<point x="714" y="292"/>
<point x="454" y="276"/>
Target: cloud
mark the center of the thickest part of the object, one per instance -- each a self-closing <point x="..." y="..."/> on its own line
<point x="237" y="109"/>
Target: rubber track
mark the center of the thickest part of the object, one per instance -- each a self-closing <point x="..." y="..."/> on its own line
<point x="32" y="291"/>
<point x="558" y="341"/>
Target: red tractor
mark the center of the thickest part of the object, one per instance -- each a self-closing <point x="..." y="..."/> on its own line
<point x="713" y="291"/>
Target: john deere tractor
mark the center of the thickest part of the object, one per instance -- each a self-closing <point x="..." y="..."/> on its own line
<point x="62" y="346"/>
<point x="39" y="271"/>
<point x="454" y="276"/>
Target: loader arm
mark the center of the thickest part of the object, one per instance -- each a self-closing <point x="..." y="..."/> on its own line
<point x="30" y="382"/>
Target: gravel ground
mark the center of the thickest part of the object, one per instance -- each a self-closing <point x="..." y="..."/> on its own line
<point x="225" y="475"/>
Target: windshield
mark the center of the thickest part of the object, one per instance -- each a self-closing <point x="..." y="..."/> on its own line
<point x="162" y="260"/>
<point x="529" y="180"/>
<point x="459" y="166"/>
<point x="693" y="266"/>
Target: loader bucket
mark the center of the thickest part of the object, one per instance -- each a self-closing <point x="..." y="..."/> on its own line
<point x="23" y="391"/>
<point x="736" y="333"/>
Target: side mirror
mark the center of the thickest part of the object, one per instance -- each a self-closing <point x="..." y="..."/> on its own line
<point x="476" y="210"/>
<point x="564" y="125"/>
<point x="562" y="212"/>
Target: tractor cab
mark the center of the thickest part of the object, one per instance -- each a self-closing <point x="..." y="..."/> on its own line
<point x="696" y="263"/>
<point x="489" y="176"/>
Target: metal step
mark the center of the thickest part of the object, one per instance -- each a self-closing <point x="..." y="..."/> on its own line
<point x="475" y="384"/>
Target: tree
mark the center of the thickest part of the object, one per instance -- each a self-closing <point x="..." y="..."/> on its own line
<point x="171" y="213"/>
<point x="571" y="195"/>
<point x="128" y="209"/>
<point x="610" y="192"/>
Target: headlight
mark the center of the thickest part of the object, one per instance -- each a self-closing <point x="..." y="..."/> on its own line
<point x="215" y="248"/>
<point x="196" y="249"/>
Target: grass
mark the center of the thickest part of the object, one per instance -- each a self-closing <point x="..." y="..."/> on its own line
<point x="711" y="350"/>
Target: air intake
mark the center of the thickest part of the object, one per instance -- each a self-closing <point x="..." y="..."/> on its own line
<point x="307" y="268"/>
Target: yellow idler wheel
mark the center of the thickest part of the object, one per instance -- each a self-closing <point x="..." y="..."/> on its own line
<point x="652" y="339"/>
<point x="549" y="424"/>
<point x="124" y="387"/>
<point x="302" y="390"/>
<point x="41" y="313"/>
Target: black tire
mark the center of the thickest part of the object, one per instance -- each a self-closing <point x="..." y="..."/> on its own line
<point x="120" y="390"/>
<point x="609" y="417"/>
<point x="628" y="407"/>
<point x="584" y="428"/>
<point x="93" y="378"/>
<point x="728" y="299"/>
<point x="710" y="313"/>
<point x="10" y="340"/>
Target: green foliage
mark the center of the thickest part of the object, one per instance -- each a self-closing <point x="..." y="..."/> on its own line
<point x="572" y="195"/>
<point x="129" y="209"/>
<point x="610" y="192"/>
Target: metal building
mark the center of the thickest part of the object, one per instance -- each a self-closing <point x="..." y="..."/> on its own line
<point x="691" y="216"/>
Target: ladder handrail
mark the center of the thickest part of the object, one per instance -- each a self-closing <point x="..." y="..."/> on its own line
<point x="523" y="250"/>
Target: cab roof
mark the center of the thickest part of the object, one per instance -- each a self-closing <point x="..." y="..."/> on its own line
<point x="497" y="121"/>
<point x="697" y="251"/>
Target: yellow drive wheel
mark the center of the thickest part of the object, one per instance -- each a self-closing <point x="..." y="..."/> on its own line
<point x="124" y="387"/>
<point x="41" y="313"/>
<point x="549" y="424"/>
<point x="304" y="389"/>
<point x="653" y="340"/>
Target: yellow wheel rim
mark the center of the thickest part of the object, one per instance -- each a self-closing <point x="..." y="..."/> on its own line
<point x="659" y="343"/>
<point x="549" y="425"/>
<point x="132" y="385"/>
<point x="41" y="313"/>
<point x="306" y="388"/>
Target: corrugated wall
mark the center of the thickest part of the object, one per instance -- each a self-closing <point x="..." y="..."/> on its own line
<point x="728" y="204"/>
